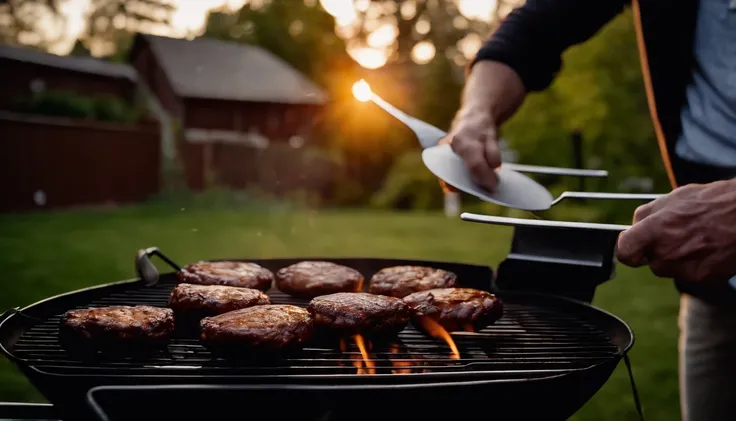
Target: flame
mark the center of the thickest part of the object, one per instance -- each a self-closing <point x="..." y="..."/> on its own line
<point x="362" y="91"/>
<point x="436" y="330"/>
<point x="343" y="345"/>
<point x="363" y="363"/>
<point x="468" y="327"/>
<point x="395" y="349"/>
<point x="370" y="366"/>
<point x="359" y="288"/>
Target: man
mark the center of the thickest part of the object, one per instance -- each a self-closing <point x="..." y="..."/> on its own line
<point x="688" y="57"/>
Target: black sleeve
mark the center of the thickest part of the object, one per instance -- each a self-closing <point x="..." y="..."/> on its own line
<point x="532" y="38"/>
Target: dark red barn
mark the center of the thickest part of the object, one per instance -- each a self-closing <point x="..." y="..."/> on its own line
<point x="229" y="101"/>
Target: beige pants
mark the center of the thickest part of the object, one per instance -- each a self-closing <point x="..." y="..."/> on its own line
<point x="707" y="361"/>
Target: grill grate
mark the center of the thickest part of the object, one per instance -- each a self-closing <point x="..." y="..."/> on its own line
<point x="530" y="340"/>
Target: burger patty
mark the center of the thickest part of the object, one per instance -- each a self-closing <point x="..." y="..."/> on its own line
<point x="260" y="328"/>
<point x="400" y="281"/>
<point x="116" y="328"/>
<point x="198" y="301"/>
<point x="455" y="308"/>
<point x="234" y="274"/>
<point x="350" y="313"/>
<point x="310" y="279"/>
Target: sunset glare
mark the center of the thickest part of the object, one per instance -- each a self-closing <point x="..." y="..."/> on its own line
<point x="362" y="91"/>
<point x="370" y="58"/>
<point x="477" y="9"/>
<point x="382" y="36"/>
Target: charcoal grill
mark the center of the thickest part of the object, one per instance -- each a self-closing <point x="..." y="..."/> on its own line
<point x="548" y="354"/>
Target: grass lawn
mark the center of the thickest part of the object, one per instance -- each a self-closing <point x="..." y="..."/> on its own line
<point x="46" y="254"/>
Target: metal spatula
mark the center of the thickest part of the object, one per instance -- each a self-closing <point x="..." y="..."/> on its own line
<point x="514" y="190"/>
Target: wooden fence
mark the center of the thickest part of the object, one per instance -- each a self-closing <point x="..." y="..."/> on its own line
<point x="49" y="162"/>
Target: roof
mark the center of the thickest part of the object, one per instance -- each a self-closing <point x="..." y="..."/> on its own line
<point x="216" y="69"/>
<point x="78" y="64"/>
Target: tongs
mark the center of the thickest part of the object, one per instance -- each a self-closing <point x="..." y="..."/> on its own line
<point x="514" y="189"/>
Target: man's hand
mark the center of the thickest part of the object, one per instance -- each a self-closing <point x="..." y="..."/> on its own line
<point x="492" y="94"/>
<point x="690" y="234"/>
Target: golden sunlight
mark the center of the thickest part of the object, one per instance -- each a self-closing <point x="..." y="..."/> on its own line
<point x="342" y="10"/>
<point x="423" y="52"/>
<point x="477" y="9"/>
<point x="370" y="58"/>
<point x="362" y="91"/>
<point x="382" y="37"/>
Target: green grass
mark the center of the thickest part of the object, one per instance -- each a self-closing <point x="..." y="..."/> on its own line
<point x="46" y="254"/>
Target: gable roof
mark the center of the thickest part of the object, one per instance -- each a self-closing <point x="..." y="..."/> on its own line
<point x="78" y="64"/>
<point x="215" y="69"/>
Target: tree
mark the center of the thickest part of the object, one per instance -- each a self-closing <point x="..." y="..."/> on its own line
<point x="43" y="24"/>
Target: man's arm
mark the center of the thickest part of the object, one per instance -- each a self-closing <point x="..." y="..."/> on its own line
<point x="533" y="37"/>
<point x="523" y="55"/>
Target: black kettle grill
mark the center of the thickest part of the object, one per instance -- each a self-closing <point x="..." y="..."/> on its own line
<point x="547" y="356"/>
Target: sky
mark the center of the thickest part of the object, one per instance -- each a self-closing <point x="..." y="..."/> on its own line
<point x="190" y="17"/>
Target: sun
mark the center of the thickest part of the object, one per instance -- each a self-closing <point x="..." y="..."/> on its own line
<point x="362" y="91"/>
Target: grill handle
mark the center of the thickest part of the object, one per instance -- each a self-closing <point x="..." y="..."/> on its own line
<point x="146" y="270"/>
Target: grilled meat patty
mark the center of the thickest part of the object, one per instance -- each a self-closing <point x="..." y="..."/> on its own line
<point x="455" y="308"/>
<point x="350" y="313"/>
<point x="234" y="274"/>
<point x="116" y="329"/>
<point x="400" y="281"/>
<point x="257" y="329"/>
<point x="310" y="279"/>
<point x="193" y="302"/>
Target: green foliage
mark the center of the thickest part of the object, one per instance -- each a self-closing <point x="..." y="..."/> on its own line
<point x="439" y="92"/>
<point x="72" y="105"/>
<point x="409" y="185"/>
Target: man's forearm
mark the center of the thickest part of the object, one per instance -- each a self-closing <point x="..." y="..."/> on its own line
<point x="494" y="89"/>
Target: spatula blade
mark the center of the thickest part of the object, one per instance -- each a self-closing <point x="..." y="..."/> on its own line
<point x="514" y="190"/>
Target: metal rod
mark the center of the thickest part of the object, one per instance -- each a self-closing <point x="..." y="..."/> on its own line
<point x="27" y="411"/>
<point x="572" y="172"/>
<point x="514" y="222"/>
<point x="606" y="196"/>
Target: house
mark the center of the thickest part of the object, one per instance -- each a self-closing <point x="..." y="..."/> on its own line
<point x="228" y="100"/>
<point x="26" y="71"/>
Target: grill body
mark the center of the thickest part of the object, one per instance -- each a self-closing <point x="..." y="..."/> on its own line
<point x="553" y="352"/>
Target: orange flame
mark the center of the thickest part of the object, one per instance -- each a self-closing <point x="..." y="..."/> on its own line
<point x="369" y="364"/>
<point x="436" y="330"/>
<point x="395" y="349"/>
<point x="363" y="362"/>
<point x="359" y="288"/>
<point x="468" y="327"/>
<point x="343" y="345"/>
